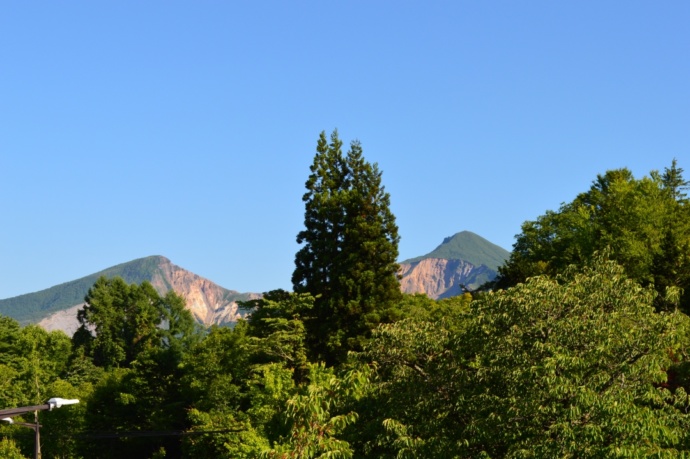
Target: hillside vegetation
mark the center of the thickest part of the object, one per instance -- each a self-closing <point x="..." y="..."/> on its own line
<point x="579" y="351"/>
<point x="469" y="247"/>
<point x="32" y="307"/>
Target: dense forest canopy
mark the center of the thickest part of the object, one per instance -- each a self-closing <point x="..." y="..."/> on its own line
<point x="645" y="223"/>
<point x="579" y="349"/>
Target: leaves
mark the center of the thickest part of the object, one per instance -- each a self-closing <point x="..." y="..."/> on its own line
<point x="348" y="260"/>
<point x="317" y="415"/>
<point x="644" y="223"/>
<point x="572" y="366"/>
<point x="121" y="321"/>
<point x="585" y="355"/>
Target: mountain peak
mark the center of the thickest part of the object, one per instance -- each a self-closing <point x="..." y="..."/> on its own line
<point x="462" y="235"/>
<point x="469" y="247"/>
<point x="462" y="261"/>
<point x="208" y="302"/>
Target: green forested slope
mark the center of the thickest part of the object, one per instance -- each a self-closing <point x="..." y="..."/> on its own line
<point x="584" y="353"/>
<point x="31" y="307"/>
<point x="469" y="247"/>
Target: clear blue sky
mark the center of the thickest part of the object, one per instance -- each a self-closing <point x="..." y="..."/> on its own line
<point x="186" y="129"/>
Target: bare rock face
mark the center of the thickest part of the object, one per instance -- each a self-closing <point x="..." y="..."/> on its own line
<point x="65" y="320"/>
<point x="208" y="302"/>
<point x="441" y="278"/>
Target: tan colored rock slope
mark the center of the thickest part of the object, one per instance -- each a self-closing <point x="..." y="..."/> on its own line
<point x="441" y="278"/>
<point x="208" y="302"/>
<point x="65" y="320"/>
<point x="212" y="304"/>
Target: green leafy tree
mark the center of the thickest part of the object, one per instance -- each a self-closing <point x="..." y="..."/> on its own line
<point x="277" y="329"/>
<point x="9" y="450"/>
<point x="573" y="366"/>
<point x="34" y="363"/>
<point x="11" y="393"/>
<point x="645" y="223"/>
<point x="417" y="384"/>
<point x="120" y="321"/>
<point x="147" y="397"/>
<point x="129" y="404"/>
<point x="350" y="247"/>
<point x="674" y="183"/>
<point x="217" y="375"/>
<point x="255" y="388"/>
<point x="9" y="334"/>
<point x="419" y="307"/>
<point x="60" y="428"/>
<point x="318" y="415"/>
<point x="43" y="359"/>
<point x="223" y="436"/>
<point x="140" y="339"/>
<point x="240" y="379"/>
<point x="217" y="369"/>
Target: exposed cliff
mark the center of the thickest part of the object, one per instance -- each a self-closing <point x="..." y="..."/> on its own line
<point x="65" y="320"/>
<point x="462" y="260"/>
<point x="441" y="278"/>
<point x="209" y="303"/>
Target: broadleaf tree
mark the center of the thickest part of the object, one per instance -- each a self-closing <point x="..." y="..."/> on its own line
<point x="349" y="250"/>
<point x="571" y="366"/>
<point x="119" y="321"/>
<point x="644" y="222"/>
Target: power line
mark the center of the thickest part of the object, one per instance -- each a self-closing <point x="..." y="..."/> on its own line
<point x="152" y="433"/>
<point x="136" y="434"/>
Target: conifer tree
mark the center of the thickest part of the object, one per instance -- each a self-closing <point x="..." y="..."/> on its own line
<point x="350" y="247"/>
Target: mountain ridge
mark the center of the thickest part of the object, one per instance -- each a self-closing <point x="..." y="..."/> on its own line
<point x="464" y="261"/>
<point x="469" y="247"/>
<point x="208" y="302"/>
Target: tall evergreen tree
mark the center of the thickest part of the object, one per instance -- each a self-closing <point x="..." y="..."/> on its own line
<point x="673" y="181"/>
<point x="350" y="247"/>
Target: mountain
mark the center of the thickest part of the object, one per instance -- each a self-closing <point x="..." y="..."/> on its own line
<point x="470" y="247"/>
<point x="464" y="259"/>
<point x="56" y="306"/>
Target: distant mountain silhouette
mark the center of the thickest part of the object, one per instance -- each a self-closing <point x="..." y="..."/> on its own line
<point x="469" y="247"/>
<point x="464" y="260"/>
<point x="208" y="302"/>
